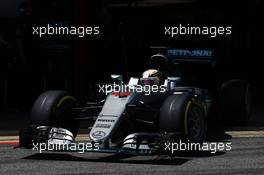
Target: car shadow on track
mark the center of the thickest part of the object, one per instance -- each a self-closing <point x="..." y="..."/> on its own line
<point x="177" y="159"/>
<point x="114" y="158"/>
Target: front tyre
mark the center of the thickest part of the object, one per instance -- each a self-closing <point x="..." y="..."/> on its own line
<point x="194" y="123"/>
<point x="183" y="114"/>
<point x="54" y="108"/>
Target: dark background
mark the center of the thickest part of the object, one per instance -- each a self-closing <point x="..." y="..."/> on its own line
<point x="30" y="65"/>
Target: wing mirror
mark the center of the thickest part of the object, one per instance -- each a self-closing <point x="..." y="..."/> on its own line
<point x="173" y="82"/>
<point x="118" y="78"/>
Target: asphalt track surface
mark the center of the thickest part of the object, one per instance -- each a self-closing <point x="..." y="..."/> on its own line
<point x="245" y="157"/>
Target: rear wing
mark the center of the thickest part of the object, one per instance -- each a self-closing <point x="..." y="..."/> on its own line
<point x="176" y="55"/>
<point x="187" y="55"/>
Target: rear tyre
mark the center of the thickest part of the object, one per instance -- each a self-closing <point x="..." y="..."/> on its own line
<point x="182" y="114"/>
<point x="235" y="102"/>
<point x="54" y="108"/>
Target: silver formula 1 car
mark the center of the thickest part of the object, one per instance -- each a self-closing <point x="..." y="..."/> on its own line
<point x="135" y="116"/>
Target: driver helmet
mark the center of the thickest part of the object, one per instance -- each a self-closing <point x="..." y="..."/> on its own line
<point x="151" y="77"/>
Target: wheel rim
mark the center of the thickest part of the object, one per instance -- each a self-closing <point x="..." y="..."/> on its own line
<point x="62" y="116"/>
<point x="196" y="124"/>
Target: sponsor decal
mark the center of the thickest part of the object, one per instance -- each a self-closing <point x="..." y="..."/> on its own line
<point x="105" y="120"/>
<point x="190" y="53"/>
<point x="98" y="134"/>
<point x="102" y="126"/>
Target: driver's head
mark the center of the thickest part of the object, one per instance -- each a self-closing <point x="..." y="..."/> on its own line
<point x="151" y="77"/>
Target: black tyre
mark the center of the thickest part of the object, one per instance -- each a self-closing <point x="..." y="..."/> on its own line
<point x="26" y="137"/>
<point x="54" y="108"/>
<point x="235" y="102"/>
<point x="182" y="114"/>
